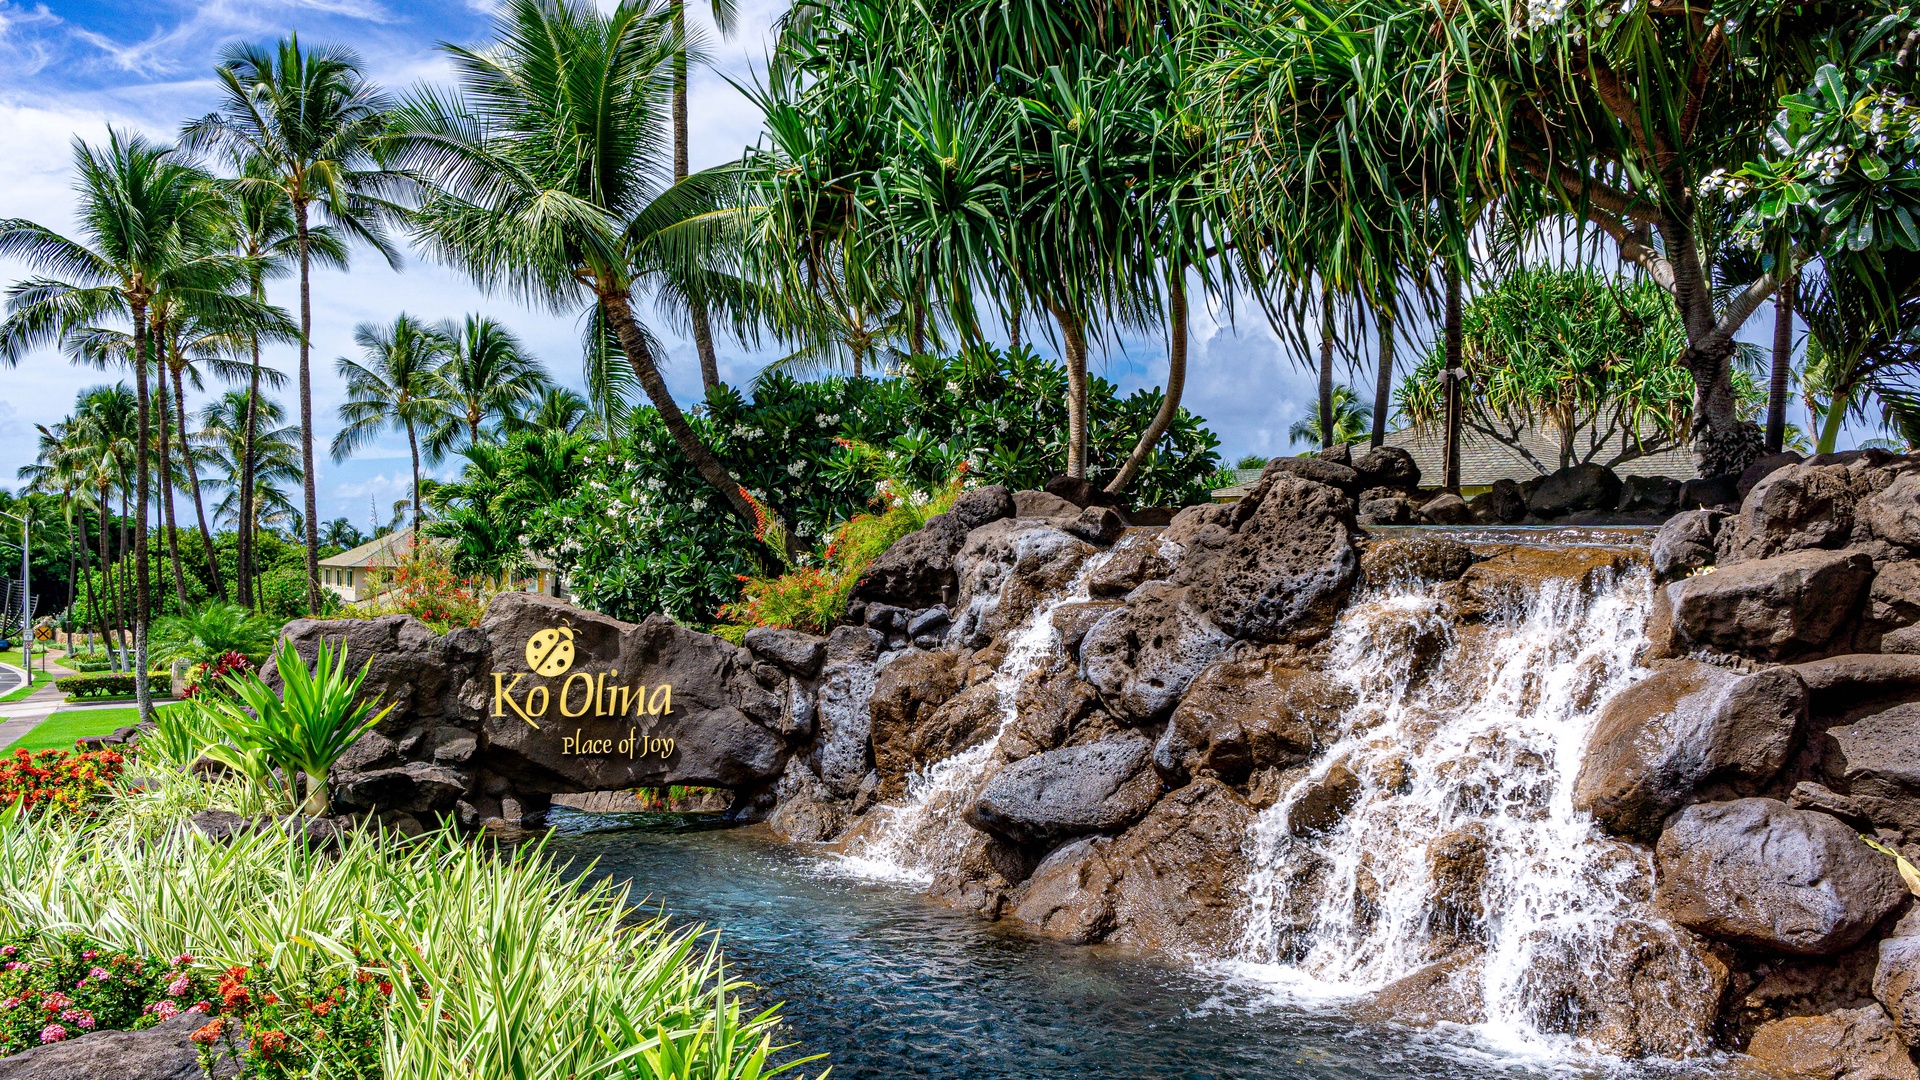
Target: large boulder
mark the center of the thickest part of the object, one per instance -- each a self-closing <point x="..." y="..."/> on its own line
<point x="807" y="813"/>
<point x="918" y="570"/>
<point x="1141" y="657"/>
<point x="1759" y="873"/>
<point x="1414" y="560"/>
<point x="1508" y="581"/>
<point x="841" y="749"/>
<point x="1244" y="715"/>
<point x="1896" y="985"/>
<point x="1795" y="508"/>
<point x="410" y="666"/>
<point x="1848" y="1044"/>
<point x="161" y="1052"/>
<point x="413" y="787"/>
<point x="1171" y="883"/>
<point x="1502" y="504"/>
<point x="1005" y="570"/>
<point x="1285" y="570"/>
<point x="646" y="705"/>
<point x="1135" y="560"/>
<point x="1658" y="992"/>
<point x="906" y="695"/>
<point x="1893" y="513"/>
<point x="1387" y="467"/>
<point x="1877" y="759"/>
<point x="1773" y="608"/>
<point x="796" y="653"/>
<point x="1587" y="486"/>
<point x="1685" y="543"/>
<point x="1099" y="788"/>
<point x="1685" y="727"/>
<point x="1316" y="469"/>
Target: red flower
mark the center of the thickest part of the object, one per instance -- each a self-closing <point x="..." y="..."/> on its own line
<point x="210" y="1032"/>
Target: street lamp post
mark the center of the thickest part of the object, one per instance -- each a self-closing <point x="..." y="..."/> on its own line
<point x="26" y="601"/>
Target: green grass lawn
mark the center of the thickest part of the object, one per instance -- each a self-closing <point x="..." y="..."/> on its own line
<point x="12" y="656"/>
<point x="60" y="730"/>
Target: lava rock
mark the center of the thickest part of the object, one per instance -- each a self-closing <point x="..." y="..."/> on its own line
<point x="1100" y="525"/>
<point x="1682" y="728"/>
<point x="1388" y="467"/>
<point x="1447" y="991"/>
<point x="1848" y="1044"/>
<point x="795" y="652"/>
<point x="1759" y="873"/>
<point x="1285" y="570"/>
<point x="1073" y="791"/>
<point x="1502" y="504"/>
<point x="1052" y="709"/>
<point x="1141" y="657"/>
<point x="410" y="666"/>
<point x="1765" y="467"/>
<point x="1072" y="621"/>
<point x="1773" y="608"/>
<point x="1006" y="570"/>
<point x="1587" y="486"/>
<point x="1893" y="600"/>
<point x="416" y="787"/>
<point x="1317" y="469"/>
<point x="1710" y="492"/>
<point x="1896" y="985"/>
<point x="846" y="723"/>
<point x="1134" y="560"/>
<point x="1414" y="560"/>
<point x="161" y="1052"/>
<point x="934" y="620"/>
<point x="1081" y="492"/>
<point x="1457" y="876"/>
<point x="1391" y="510"/>
<point x="1509" y="580"/>
<point x="222" y="826"/>
<point x="1658" y="994"/>
<point x="1796" y="508"/>
<point x="1685" y="543"/>
<point x="1244" y="715"/>
<point x="1649" y="494"/>
<point x="918" y="570"/>
<point x="1893" y="513"/>
<point x="886" y="618"/>
<point x="1446" y="509"/>
<point x="806" y="811"/>
<point x="1190" y="522"/>
<point x="1325" y="802"/>
<point x="1045" y="506"/>
<point x="1877" y="758"/>
<point x="1066" y="897"/>
<point x="905" y="695"/>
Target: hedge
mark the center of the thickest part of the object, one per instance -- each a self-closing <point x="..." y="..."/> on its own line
<point x="104" y="683"/>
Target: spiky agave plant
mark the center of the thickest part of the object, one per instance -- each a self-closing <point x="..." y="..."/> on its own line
<point x="305" y="727"/>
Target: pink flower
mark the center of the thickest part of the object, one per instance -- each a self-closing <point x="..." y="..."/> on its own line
<point x="9" y="950"/>
<point x="165" y="1010"/>
<point x="79" y="1018"/>
<point x="10" y="1003"/>
<point x="89" y="954"/>
<point x="52" y="1033"/>
<point x="55" y="1001"/>
<point x="202" y="1007"/>
<point x="183" y="959"/>
<point x="178" y="986"/>
<point x="98" y="973"/>
<point x="15" y="965"/>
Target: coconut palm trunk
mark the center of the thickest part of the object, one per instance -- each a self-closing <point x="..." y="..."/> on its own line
<point x="166" y="491"/>
<point x="245" y="525"/>
<point x="310" y="503"/>
<point x="1383" y="381"/>
<point x="1451" y="458"/>
<point x="93" y="604"/>
<point x="193" y="483"/>
<point x="1176" y="383"/>
<point x="1782" y="364"/>
<point x="143" y="484"/>
<point x="702" y="326"/>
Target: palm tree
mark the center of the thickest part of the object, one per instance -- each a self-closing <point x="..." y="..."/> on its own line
<point x="105" y="428"/>
<point x="308" y="121"/>
<point x="488" y="373"/>
<point x="723" y="16"/>
<point x="509" y="203"/>
<point x="264" y="231"/>
<point x="244" y="439"/>
<point x="56" y="470"/>
<point x="1351" y="418"/>
<point x="145" y="216"/>
<point x="396" y="385"/>
<point x="558" y="409"/>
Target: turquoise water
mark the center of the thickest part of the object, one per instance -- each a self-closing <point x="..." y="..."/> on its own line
<point x="890" y="985"/>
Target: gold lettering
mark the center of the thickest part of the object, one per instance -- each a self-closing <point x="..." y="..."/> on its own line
<point x="567" y="688"/>
<point x="623" y="697"/>
<point x="600" y="694"/>
<point x="531" y="709"/>
<point x="503" y="695"/>
<point x="661" y="701"/>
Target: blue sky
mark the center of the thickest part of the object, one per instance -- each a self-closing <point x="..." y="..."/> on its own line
<point x="70" y="70"/>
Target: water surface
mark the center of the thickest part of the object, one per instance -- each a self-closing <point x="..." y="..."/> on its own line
<point x="891" y="985"/>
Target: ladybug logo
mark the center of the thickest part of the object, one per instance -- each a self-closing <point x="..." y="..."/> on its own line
<point x="550" y="652"/>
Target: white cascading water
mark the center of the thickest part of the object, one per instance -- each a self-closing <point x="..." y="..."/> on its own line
<point x="1476" y="728"/>
<point x="926" y="833"/>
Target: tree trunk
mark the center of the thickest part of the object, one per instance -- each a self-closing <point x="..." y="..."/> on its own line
<point x="619" y="310"/>
<point x="99" y="614"/>
<point x="1782" y="364"/>
<point x="143" y="484"/>
<point x="245" y="524"/>
<point x="110" y="613"/>
<point x="1453" y="373"/>
<point x="1836" y="417"/>
<point x="193" y="481"/>
<point x="1014" y="318"/>
<point x="1176" y="382"/>
<point x="306" y="412"/>
<point x="702" y="327"/>
<point x="413" y="444"/>
<point x="1326" y="368"/>
<point x="123" y="594"/>
<point x="1383" y="383"/>
<point x="166" y="493"/>
<point x="1073" y="336"/>
<point x="73" y="565"/>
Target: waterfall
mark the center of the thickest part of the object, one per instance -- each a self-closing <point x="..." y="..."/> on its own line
<point x="925" y="833"/>
<point x="1464" y="738"/>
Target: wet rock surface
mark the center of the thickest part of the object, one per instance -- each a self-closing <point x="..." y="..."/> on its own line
<point x="1044" y="799"/>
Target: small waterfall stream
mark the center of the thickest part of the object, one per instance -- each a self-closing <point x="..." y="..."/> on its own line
<point x="1465" y="741"/>
<point x="926" y="833"/>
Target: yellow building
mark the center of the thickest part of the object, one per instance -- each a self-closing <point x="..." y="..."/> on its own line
<point x="350" y="574"/>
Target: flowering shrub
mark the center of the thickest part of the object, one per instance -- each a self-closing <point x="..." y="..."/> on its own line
<point x="64" y="987"/>
<point x="58" y="780"/>
<point x="227" y="663"/>
<point x="423" y="584"/>
<point x="637" y="531"/>
<point x="331" y="1027"/>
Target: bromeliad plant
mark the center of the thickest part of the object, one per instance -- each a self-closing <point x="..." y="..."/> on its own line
<point x="302" y="729"/>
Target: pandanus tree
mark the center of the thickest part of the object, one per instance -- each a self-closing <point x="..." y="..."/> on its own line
<point x="395" y="384"/>
<point x="302" y="124"/>
<point x="144" y="215"/>
<point x="546" y="177"/>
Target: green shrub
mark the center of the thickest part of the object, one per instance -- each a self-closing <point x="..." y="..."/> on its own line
<point x="304" y="728"/>
<point x="61" y="986"/>
<point x="204" y="633"/>
<point x="637" y="531"/>
<point x="103" y="683"/>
